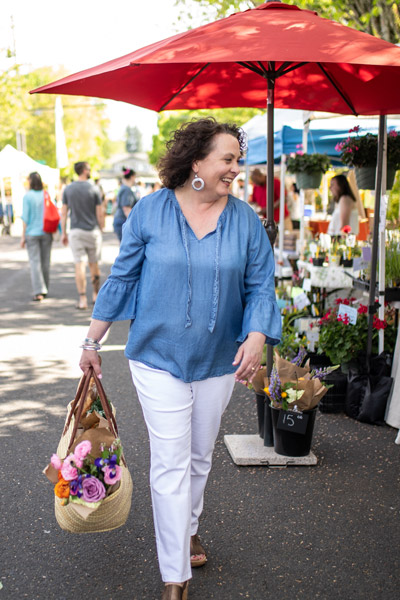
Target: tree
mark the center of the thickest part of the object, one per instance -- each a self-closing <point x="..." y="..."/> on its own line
<point x="133" y="139"/>
<point x="377" y="17"/>
<point x="85" y="124"/>
<point x="171" y="120"/>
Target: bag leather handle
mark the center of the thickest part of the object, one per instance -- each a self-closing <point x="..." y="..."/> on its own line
<point x="79" y="401"/>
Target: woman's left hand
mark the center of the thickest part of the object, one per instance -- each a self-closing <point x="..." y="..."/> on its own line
<point x="249" y="356"/>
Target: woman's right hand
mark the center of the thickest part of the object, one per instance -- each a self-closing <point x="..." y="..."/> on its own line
<point x="91" y="358"/>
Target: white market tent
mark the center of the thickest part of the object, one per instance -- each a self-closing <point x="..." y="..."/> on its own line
<point x="16" y="166"/>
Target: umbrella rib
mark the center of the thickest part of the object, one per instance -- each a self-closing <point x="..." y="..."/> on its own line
<point x="252" y="67"/>
<point x="331" y="79"/>
<point x="283" y="70"/>
<point x="184" y="85"/>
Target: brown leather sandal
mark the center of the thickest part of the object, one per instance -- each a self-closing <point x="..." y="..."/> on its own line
<point x="175" y="591"/>
<point x="198" y="556"/>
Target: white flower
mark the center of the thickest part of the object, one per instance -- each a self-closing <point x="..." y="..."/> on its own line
<point x="294" y="395"/>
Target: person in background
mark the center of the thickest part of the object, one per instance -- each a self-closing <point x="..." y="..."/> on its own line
<point x="345" y="208"/>
<point x="126" y="200"/>
<point x="259" y="197"/>
<point x="156" y="186"/>
<point x="294" y="205"/>
<point x="82" y="201"/>
<point x="37" y="242"/>
<point x="195" y="277"/>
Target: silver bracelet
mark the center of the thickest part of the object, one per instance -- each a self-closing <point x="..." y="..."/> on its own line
<point x="91" y="345"/>
<point x="89" y="348"/>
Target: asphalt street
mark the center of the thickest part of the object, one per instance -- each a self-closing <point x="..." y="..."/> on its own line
<point x="323" y="532"/>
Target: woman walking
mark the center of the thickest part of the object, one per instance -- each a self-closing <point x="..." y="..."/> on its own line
<point x="125" y="201"/>
<point x="195" y="275"/>
<point x="37" y="241"/>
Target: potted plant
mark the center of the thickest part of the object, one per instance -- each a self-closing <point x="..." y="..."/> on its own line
<point x="308" y="168"/>
<point x="361" y="152"/>
<point x="342" y="341"/>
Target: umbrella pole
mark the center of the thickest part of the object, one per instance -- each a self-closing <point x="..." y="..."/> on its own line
<point x="382" y="239"/>
<point x="270" y="229"/>
<point x="270" y="224"/>
<point x="375" y="240"/>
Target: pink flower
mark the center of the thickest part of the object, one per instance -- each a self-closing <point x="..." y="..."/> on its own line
<point x="356" y="129"/>
<point x="68" y="471"/>
<point x="393" y="133"/>
<point x="112" y="475"/>
<point x="300" y="152"/>
<point x="56" y="462"/>
<point x="78" y="462"/>
<point x="93" y="489"/>
<point x="83" y="449"/>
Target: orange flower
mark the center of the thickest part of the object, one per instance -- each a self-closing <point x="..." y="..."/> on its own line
<point x="61" y="489"/>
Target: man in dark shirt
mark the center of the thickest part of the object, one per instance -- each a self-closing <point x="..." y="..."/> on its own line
<point x="82" y="202"/>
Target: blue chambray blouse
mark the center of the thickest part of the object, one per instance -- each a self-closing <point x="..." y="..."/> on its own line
<point x="191" y="301"/>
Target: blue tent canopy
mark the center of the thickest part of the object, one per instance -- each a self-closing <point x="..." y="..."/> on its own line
<point x="287" y="140"/>
<point x="322" y="140"/>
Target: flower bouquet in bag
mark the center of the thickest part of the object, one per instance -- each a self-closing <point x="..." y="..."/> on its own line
<point x="93" y="487"/>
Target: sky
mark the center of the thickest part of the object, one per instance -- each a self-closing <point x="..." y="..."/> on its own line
<point x="81" y="34"/>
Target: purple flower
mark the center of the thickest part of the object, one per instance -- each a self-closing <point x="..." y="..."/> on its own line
<point x="298" y="359"/>
<point x="75" y="487"/>
<point x="93" y="489"/>
<point x="275" y="386"/>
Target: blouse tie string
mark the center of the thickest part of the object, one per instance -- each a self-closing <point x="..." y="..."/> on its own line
<point x="188" y="322"/>
<point x="215" y="294"/>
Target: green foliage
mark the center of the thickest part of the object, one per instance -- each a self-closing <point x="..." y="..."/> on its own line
<point x="33" y="116"/>
<point x="169" y="121"/>
<point x="291" y="340"/>
<point x="308" y="163"/>
<point x="376" y="17"/>
<point x="394" y="201"/>
<point x="392" y="263"/>
<point x="342" y="342"/>
<point x="362" y="150"/>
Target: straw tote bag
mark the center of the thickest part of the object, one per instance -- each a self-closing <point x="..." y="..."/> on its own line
<point x="114" y="509"/>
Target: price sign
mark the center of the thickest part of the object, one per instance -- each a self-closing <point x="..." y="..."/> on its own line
<point x="301" y="301"/>
<point x="349" y="311"/>
<point x="293" y="421"/>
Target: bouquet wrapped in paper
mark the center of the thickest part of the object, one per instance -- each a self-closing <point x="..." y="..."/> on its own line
<point x="293" y="387"/>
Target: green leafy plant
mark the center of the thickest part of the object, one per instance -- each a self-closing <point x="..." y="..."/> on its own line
<point x="362" y="150"/>
<point x="392" y="263"/>
<point x="342" y="342"/>
<point x="308" y="163"/>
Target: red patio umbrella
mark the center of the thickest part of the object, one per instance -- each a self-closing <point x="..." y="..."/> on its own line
<point x="276" y="54"/>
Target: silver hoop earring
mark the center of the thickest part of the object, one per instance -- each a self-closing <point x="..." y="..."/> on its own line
<point x="198" y="183"/>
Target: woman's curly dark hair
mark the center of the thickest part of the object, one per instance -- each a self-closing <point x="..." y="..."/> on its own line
<point x="193" y="141"/>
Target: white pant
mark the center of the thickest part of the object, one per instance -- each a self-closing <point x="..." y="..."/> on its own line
<point x="183" y="421"/>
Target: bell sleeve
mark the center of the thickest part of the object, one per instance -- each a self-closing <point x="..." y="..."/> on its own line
<point x="117" y="297"/>
<point x="261" y="312"/>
